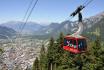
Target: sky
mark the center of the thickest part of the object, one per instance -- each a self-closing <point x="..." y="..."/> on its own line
<point x="47" y="11"/>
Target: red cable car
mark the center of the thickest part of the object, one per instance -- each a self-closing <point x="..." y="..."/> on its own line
<point x="75" y="44"/>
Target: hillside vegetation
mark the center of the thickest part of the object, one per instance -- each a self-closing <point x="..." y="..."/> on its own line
<point x="55" y="58"/>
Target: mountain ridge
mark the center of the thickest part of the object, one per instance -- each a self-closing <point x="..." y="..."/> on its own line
<point x="6" y="32"/>
<point x="53" y="29"/>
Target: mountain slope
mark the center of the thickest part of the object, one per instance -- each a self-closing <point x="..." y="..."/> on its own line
<point x="5" y="31"/>
<point x="17" y="25"/>
<point x="96" y="30"/>
<point x="92" y="26"/>
<point x="67" y="27"/>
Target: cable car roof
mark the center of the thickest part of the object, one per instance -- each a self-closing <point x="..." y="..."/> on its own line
<point x="74" y="36"/>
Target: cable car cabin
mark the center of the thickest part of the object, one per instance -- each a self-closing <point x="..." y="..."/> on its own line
<point x="75" y="44"/>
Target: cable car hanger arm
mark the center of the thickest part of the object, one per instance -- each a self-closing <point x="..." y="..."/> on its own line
<point x="80" y="8"/>
<point x="77" y="10"/>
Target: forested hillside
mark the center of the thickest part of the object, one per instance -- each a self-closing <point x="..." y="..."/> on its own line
<point x="55" y="58"/>
<point x="96" y="30"/>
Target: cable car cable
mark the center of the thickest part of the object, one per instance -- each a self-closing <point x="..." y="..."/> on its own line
<point x="29" y="16"/>
<point x="85" y="4"/>
<point x="28" y="9"/>
<point x="34" y="7"/>
<point x="19" y="26"/>
<point x="88" y="3"/>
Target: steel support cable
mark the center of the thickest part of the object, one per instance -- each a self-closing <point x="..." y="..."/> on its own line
<point x="22" y="27"/>
<point x="28" y="9"/>
<point x="25" y="14"/>
<point x="86" y="3"/>
<point x="34" y="7"/>
<point x="20" y="33"/>
<point x="19" y="26"/>
<point x="29" y="16"/>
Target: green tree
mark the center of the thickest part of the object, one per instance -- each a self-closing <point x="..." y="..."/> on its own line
<point x="96" y="47"/>
<point x="50" y="54"/>
<point x="93" y="58"/>
<point x="98" y="53"/>
<point x="1" y="50"/>
<point x="61" y="57"/>
<point x="36" y="65"/>
<point x="43" y="58"/>
<point x="58" y="59"/>
<point x="59" y="50"/>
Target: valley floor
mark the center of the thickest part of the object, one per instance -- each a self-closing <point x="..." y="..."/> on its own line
<point x="19" y="55"/>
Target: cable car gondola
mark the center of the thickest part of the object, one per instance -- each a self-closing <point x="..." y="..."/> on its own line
<point x="76" y="43"/>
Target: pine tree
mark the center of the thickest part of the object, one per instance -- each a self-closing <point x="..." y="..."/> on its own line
<point x="59" y="59"/>
<point x="61" y="56"/>
<point x="50" y="54"/>
<point x="59" y="45"/>
<point x="36" y="65"/>
<point x="93" y="58"/>
<point x="97" y="50"/>
<point x="1" y="50"/>
<point x="43" y="58"/>
<point x="96" y="47"/>
<point x="42" y="49"/>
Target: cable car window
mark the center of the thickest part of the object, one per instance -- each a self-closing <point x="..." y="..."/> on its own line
<point x="68" y="42"/>
<point x="74" y="43"/>
<point x="81" y="43"/>
<point x="65" y="42"/>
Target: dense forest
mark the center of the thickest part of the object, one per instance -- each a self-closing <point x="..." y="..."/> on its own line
<point x="55" y="58"/>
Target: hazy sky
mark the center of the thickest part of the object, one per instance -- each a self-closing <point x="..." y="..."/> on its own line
<point x="46" y="10"/>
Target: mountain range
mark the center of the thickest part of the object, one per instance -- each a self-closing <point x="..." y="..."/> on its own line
<point x="67" y="27"/>
<point x="6" y="32"/>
